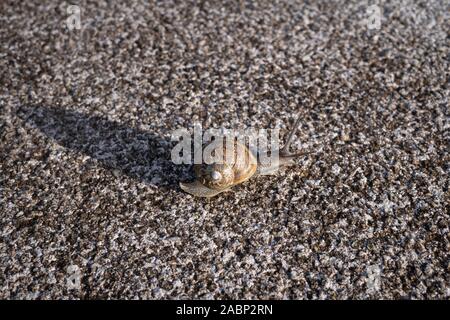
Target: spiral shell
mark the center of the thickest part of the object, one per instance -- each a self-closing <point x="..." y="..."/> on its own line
<point x="212" y="179"/>
<point x="215" y="176"/>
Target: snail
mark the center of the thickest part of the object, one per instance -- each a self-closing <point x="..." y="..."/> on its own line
<point x="215" y="178"/>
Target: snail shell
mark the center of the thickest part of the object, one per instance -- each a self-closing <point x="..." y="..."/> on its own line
<point x="212" y="179"/>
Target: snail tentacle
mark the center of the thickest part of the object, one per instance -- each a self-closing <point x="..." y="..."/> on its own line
<point x="284" y="152"/>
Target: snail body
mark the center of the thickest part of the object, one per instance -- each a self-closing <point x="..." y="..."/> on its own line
<point x="217" y="177"/>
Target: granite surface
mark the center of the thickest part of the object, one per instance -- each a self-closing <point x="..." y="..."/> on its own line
<point x="89" y="200"/>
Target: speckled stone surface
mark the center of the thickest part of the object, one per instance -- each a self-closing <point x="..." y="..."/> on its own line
<point x="88" y="192"/>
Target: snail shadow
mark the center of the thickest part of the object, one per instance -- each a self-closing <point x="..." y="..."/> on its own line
<point x="136" y="153"/>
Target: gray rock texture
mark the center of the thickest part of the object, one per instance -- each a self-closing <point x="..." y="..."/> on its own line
<point x="89" y="200"/>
